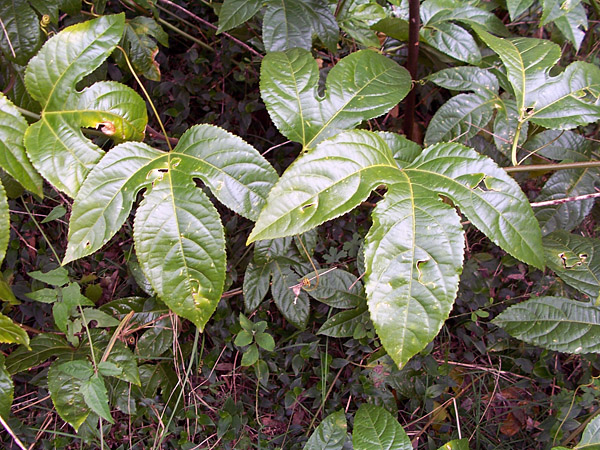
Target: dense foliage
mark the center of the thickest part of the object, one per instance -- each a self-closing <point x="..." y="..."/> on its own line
<point x="222" y="227"/>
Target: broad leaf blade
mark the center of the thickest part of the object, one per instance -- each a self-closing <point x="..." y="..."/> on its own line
<point x="20" y="36"/>
<point x="331" y="433"/>
<point x="139" y="41"/>
<point x="452" y="40"/>
<point x="491" y="199"/>
<point x="554" y="323"/>
<point x="65" y="391"/>
<point x="13" y="158"/>
<point x="55" y="144"/>
<point x="257" y="279"/>
<point x="295" y="306"/>
<point x="361" y="86"/>
<point x="292" y="23"/>
<point x="96" y="398"/>
<point x="324" y="184"/>
<point x="180" y="245"/>
<point x="467" y="78"/>
<point x="574" y="259"/>
<point x="43" y="347"/>
<point x="591" y="436"/>
<point x="344" y="323"/>
<point x="377" y="429"/>
<point x="235" y="12"/>
<point x="11" y="333"/>
<point x="4" y="223"/>
<point x="413" y="258"/>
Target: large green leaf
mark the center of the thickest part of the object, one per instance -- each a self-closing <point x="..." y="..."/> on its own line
<point x="65" y="391"/>
<point x="56" y="144"/>
<point x="139" y="41"/>
<point x="235" y="12"/>
<point x="377" y="429"/>
<point x="7" y="389"/>
<point x="452" y="40"/>
<point x="554" y="323"/>
<point x="361" y="86"/>
<point x="21" y="35"/>
<point x="13" y="158"/>
<point x="11" y="333"/>
<point x="356" y="18"/>
<point x="518" y="7"/>
<point x="178" y="233"/>
<point x="573" y="258"/>
<point x="331" y="434"/>
<point x="43" y="347"/>
<point x="413" y="252"/>
<point x="292" y="23"/>
<point x="343" y="324"/>
<point x="295" y="306"/>
<point x="591" y="436"/>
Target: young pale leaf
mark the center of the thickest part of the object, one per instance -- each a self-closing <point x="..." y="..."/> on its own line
<point x="573" y="258"/>
<point x="413" y="257"/>
<point x="21" y="35"/>
<point x="65" y="391"/>
<point x="292" y="23"/>
<point x="55" y="144"/>
<point x="7" y="389"/>
<point x="331" y="434"/>
<point x="233" y="13"/>
<point x="361" y="86"/>
<point x="554" y="323"/>
<point x="591" y="436"/>
<point x="326" y="183"/>
<point x="13" y="158"/>
<point x="456" y="444"/>
<point x="11" y="333"/>
<point x="377" y="429"/>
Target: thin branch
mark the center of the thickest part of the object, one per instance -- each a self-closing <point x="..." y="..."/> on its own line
<point x="556" y="166"/>
<point x="558" y="201"/>
<point x="210" y="25"/>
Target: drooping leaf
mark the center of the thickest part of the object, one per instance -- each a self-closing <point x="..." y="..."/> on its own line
<point x="377" y="429"/>
<point x="51" y="7"/>
<point x="393" y="27"/>
<point x="11" y="333"/>
<point x="140" y="42"/>
<point x="95" y="397"/>
<point x="21" y="35"/>
<point x="361" y="86"/>
<point x="43" y="347"/>
<point x="331" y="434"/>
<point x="292" y="23"/>
<point x="13" y="158"/>
<point x="233" y="13"/>
<point x="574" y="259"/>
<point x="55" y="144"/>
<point x="590" y="439"/>
<point x="7" y="389"/>
<point x="65" y="391"/>
<point x="554" y="323"/>
<point x="178" y="233"/>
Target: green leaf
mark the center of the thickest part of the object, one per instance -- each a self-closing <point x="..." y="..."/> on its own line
<point x="456" y="444"/>
<point x="573" y="24"/>
<point x="467" y="78"/>
<point x="393" y="27"/>
<point x="265" y="341"/>
<point x="338" y="289"/>
<point x="356" y="17"/>
<point x="460" y="118"/>
<point x="55" y="144"/>
<point x="139" y="41"/>
<point x="79" y="368"/>
<point x="109" y="369"/>
<point x="452" y="40"/>
<point x="56" y="213"/>
<point x="439" y="11"/>
<point x="55" y="277"/>
<point x="21" y="35"/>
<point x="413" y="257"/>
<point x="6" y="293"/>
<point x="101" y="318"/>
<point x="66" y="395"/>
<point x="13" y="158"/>
<point x="43" y="347"/>
<point x="7" y="389"/>
<point x="362" y="86"/>
<point x="292" y="23"/>
<point x="591" y="436"/>
<point x="11" y="333"/>
<point x="505" y="125"/>
<point x="326" y="183"/>
<point x="573" y="258"/>
<point x="517" y="7"/>
<point x="233" y="13"/>
<point x="377" y="429"/>
<point x="554" y="323"/>
<point x="344" y="323"/>
<point x="156" y="340"/>
<point x="250" y="356"/>
<point x="295" y="307"/>
<point x="123" y="358"/>
<point x="95" y="396"/>
<point x="257" y="280"/>
<point x="331" y="434"/>
<point x="4" y="223"/>
<point x="243" y="338"/>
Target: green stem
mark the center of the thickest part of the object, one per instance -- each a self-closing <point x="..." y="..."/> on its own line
<point x="555" y="166"/>
<point x="40" y="230"/>
<point x="185" y="35"/>
<point x="27" y="113"/>
<point x="515" y="144"/>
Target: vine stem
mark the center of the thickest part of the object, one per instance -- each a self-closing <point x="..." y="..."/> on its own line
<point x="40" y="230"/>
<point x="556" y="166"/>
<point x="411" y="65"/>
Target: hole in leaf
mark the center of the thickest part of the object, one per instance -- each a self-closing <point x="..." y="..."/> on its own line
<point x="107" y="128"/>
<point x="570" y="262"/>
<point x="307" y="206"/>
